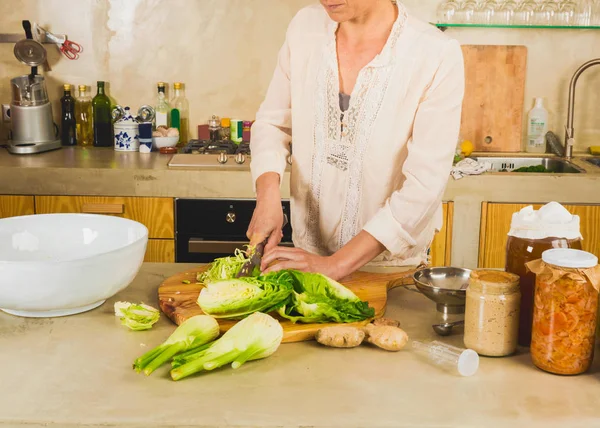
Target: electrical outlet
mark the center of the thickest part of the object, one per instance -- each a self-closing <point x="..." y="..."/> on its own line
<point x="5" y="113"/>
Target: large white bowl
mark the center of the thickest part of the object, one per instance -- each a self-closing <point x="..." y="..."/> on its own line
<point x="63" y="264"/>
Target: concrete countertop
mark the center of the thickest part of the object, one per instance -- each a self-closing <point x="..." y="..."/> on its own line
<point x="76" y="371"/>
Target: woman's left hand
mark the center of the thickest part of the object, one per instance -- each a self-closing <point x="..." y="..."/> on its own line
<point x="296" y="258"/>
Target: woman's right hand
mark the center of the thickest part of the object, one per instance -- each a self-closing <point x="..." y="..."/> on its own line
<point x="267" y="219"/>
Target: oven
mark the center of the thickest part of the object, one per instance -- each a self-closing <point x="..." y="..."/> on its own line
<point x="206" y="229"/>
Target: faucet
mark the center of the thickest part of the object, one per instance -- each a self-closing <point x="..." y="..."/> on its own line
<point x="569" y="130"/>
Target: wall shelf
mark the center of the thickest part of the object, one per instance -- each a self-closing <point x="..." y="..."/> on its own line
<point x="444" y="27"/>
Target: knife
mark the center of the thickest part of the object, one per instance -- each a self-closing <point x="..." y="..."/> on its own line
<point x="256" y="258"/>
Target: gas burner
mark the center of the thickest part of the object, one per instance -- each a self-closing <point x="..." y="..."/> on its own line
<point x="207" y="147"/>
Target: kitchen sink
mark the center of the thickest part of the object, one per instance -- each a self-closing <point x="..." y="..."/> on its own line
<point x="593" y="161"/>
<point x="506" y="164"/>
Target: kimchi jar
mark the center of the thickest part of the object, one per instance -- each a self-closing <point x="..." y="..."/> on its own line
<point x="531" y="233"/>
<point x="565" y="310"/>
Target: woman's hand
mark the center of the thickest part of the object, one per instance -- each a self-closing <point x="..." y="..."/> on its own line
<point x="295" y="258"/>
<point x="267" y="219"/>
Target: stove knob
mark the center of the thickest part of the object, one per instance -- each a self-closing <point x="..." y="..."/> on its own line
<point x="240" y="158"/>
<point x="230" y="218"/>
<point x="222" y="158"/>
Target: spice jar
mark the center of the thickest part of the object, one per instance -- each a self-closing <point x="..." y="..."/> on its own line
<point x="565" y="310"/>
<point x="531" y="233"/>
<point x="492" y="313"/>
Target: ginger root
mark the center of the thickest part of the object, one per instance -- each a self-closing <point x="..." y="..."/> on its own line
<point x="386" y="337"/>
<point x="340" y="336"/>
<point x="386" y="321"/>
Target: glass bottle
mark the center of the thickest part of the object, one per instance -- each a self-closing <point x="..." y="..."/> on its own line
<point x="103" y="134"/>
<point x="180" y="113"/>
<point x="162" y="107"/>
<point x="68" y="136"/>
<point x="83" y="118"/>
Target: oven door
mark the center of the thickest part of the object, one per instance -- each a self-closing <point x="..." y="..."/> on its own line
<point x="207" y="229"/>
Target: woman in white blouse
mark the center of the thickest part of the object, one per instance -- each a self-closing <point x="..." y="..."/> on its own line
<point x="371" y="98"/>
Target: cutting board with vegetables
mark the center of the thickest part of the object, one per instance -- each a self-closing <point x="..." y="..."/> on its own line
<point x="178" y="297"/>
<point x="492" y="115"/>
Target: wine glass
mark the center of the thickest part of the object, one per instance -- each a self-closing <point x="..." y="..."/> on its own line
<point x="547" y="12"/>
<point x="446" y="11"/>
<point x="467" y="12"/>
<point x="567" y="14"/>
<point x="486" y="11"/>
<point x="525" y="13"/>
<point x="506" y="14"/>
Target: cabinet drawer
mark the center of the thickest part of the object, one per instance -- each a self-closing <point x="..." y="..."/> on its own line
<point x="160" y="251"/>
<point x="155" y="213"/>
<point x="13" y="206"/>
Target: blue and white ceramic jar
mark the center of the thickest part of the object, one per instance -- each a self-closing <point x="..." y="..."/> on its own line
<point x="127" y="135"/>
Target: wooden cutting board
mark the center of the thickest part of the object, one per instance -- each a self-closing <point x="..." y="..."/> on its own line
<point x="494" y="97"/>
<point x="178" y="300"/>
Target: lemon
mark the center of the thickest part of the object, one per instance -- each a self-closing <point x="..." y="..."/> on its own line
<point x="466" y="148"/>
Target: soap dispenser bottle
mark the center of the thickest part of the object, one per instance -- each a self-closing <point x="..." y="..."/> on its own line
<point x="537" y="127"/>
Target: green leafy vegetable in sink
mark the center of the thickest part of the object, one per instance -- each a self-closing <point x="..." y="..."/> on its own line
<point x="255" y="337"/>
<point x="239" y="297"/>
<point x="195" y="334"/>
<point x="533" y="168"/>
<point x="136" y="316"/>
<point x="319" y="299"/>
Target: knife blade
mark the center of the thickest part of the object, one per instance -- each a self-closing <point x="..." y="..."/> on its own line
<point x="256" y="258"/>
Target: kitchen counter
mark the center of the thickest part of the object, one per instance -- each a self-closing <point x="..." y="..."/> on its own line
<point x="76" y="371"/>
<point x="104" y="172"/>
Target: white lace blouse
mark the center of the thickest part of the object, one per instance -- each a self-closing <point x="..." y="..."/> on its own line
<point x="381" y="166"/>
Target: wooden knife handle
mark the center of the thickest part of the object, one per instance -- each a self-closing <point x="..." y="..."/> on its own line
<point x="103" y="208"/>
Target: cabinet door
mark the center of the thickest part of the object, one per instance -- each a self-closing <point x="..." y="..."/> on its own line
<point x="495" y="225"/>
<point x="13" y="206"/>
<point x="155" y="213"/>
<point x="441" y="247"/>
<point x="160" y="251"/>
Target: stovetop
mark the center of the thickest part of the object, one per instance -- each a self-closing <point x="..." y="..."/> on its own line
<point x="207" y="147"/>
<point x="212" y="154"/>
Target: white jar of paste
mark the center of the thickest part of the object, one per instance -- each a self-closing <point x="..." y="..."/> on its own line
<point x="492" y="313"/>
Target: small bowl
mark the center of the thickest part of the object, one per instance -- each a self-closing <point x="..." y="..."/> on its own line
<point x="446" y="286"/>
<point x="63" y="264"/>
<point x="160" y="142"/>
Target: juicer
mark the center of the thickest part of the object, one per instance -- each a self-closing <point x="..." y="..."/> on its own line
<point x="32" y="126"/>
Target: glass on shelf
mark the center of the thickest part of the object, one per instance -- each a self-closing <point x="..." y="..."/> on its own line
<point x="467" y="12"/>
<point x="506" y="13"/>
<point x="567" y="14"/>
<point x="525" y="13"/>
<point x="546" y="13"/>
<point x="446" y="12"/>
<point x="486" y="12"/>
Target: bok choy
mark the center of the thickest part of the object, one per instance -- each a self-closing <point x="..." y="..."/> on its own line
<point x="194" y="333"/>
<point x="255" y="337"/>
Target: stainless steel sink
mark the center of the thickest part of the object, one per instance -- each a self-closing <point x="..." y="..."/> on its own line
<point x="593" y="161"/>
<point x="506" y="164"/>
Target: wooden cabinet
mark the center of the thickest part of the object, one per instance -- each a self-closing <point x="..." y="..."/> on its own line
<point x="12" y="206"/>
<point x="156" y="214"/>
<point x="441" y="247"/>
<point x="495" y="225"/>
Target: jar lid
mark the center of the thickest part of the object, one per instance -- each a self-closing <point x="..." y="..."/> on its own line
<point x="570" y="258"/>
<point x="30" y="52"/>
<point x="225" y="122"/>
<point x="493" y="281"/>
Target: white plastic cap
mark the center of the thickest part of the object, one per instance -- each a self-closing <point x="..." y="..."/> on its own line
<point x="570" y="258"/>
<point x="468" y="362"/>
<point x="539" y="102"/>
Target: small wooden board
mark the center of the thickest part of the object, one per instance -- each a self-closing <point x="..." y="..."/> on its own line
<point x="178" y="300"/>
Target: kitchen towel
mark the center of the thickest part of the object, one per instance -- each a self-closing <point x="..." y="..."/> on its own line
<point x="469" y="166"/>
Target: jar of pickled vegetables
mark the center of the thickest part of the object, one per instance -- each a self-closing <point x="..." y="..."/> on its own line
<point x="565" y="310"/>
<point x="531" y="233"/>
<point x="492" y="313"/>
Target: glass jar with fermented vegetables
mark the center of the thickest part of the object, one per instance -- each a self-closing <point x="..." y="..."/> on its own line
<point x="565" y="310"/>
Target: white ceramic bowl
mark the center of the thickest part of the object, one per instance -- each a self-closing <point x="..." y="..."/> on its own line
<point x="63" y="264"/>
<point x="160" y="142"/>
